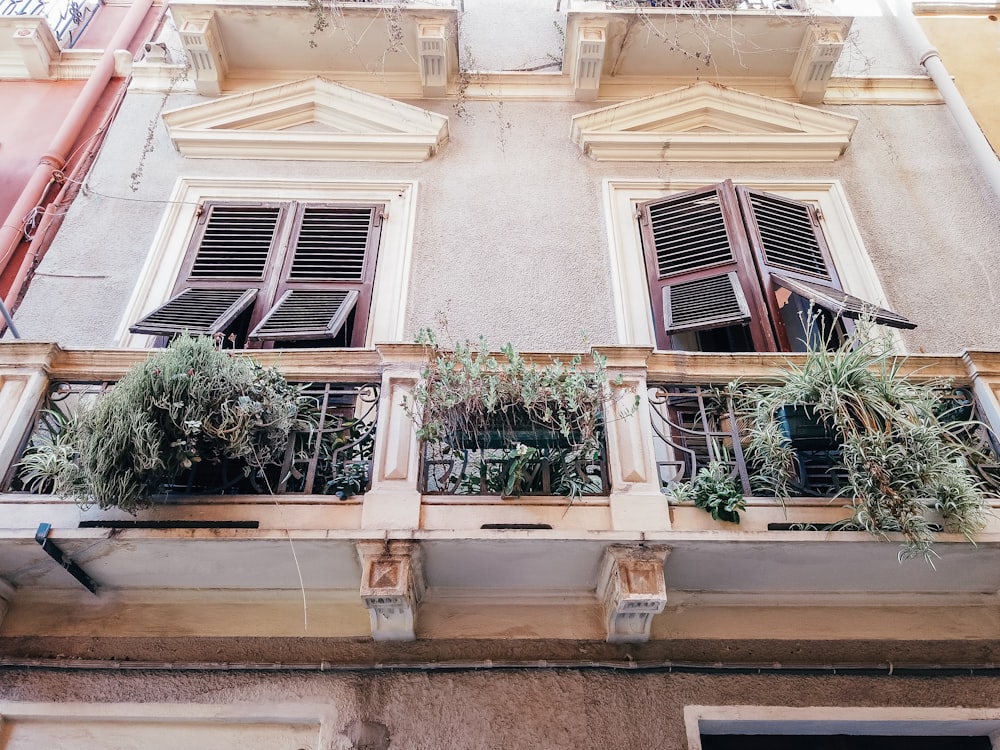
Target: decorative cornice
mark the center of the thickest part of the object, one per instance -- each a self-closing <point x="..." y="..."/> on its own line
<point x="708" y="122"/>
<point x="351" y="125"/>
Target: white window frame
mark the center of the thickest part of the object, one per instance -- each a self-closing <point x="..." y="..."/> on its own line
<point x="389" y="292"/>
<point x="628" y="272"/>
<point x="898" y="721"/>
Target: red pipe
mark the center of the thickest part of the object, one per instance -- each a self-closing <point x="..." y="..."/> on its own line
<point x="11" y="232"/>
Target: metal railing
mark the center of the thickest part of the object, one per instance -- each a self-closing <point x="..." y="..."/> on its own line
<point x="333" y="458"/>
<point x="697" y="425"/>
<point x="529" y="462"/>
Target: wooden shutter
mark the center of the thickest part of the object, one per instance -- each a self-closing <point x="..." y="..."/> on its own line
<point x="699" y="266"/>
<point x="307" y="314"/>
<point x="233" y="243"/>
<point x="197" y="311"/>
<point x="787" y="240"/>
<point x="333" y="249"/>
<point x="840" y="303"/>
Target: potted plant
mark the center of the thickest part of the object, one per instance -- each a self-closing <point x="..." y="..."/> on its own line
<point x="902" y="451"/>
<point x="191" y="407"/>
<point x="513" y="427"/>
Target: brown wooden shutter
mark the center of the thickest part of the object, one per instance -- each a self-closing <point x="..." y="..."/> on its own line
<point x="840" y="303"/>
<point x="197" y="311"/>
<point x="333" y="250"/>
<point x="699" y="266"/>
<point x="787" y="240"/>
<point x="307" y="314"/>
<point x="233" y="242"/>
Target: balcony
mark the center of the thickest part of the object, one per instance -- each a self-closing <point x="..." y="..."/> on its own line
<point x="394" y="49"/>
<point x="461" y="562"/>
<point x="624" y="49"/>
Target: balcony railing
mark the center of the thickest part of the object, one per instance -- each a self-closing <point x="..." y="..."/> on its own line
<point x="67" y="18"/>
<point x="531" y="462"/>
<point x="697" y="425"/>
<point x="334" y="458"/>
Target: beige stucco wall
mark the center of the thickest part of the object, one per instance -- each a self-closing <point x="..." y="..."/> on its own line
<point x="510" y="238"/>
<point x="467" y="709"/>
<point x="970" y="48"/>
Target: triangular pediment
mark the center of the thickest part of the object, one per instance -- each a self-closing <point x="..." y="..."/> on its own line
<point x="710" y="122"/>
<point x="314" y="119"/>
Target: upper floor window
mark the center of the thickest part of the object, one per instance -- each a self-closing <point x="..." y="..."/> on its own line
<point x="275" y="274"/>
<point x="735" y="269"/>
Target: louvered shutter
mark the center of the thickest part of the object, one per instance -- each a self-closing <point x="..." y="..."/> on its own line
<point x="233" y="243"/>
<point x="787" y="240"/>
<point x="303" y="314"/>
<point x="699" y="265"/>
<point x="840" y="303"/>
<point x="197" y="311"/>
<point x="332" y="256"/>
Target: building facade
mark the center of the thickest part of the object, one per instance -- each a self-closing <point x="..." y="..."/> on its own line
<point x="320" y="184"/>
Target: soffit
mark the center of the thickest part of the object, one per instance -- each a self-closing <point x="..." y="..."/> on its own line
<point x="710" y="122"/>
<point x="313" y="119"/>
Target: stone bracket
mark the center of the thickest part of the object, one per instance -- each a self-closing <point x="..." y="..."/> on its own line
<point x="632" y="590"/>
<point x="204" y="47"/>
<point x="392" y="584"/>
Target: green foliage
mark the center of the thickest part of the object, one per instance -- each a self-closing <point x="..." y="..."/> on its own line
<point x="188" y="404"/>
<point x="713" y="489"/>
<point x="466" y="394"/>
<point x="900" y="455"/>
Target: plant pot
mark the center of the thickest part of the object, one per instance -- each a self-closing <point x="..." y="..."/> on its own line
<point x="805" y="430"/>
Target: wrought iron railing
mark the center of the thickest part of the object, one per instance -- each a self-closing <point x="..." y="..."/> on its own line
<point x="67" y="18"/>
<point x="530" y="462"/>
<point x="696" y="425"/>
<point x="333" y="458"/>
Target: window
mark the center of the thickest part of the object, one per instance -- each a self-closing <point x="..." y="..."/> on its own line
<point x="731" y="268"/>
<point x="275" y="274"/>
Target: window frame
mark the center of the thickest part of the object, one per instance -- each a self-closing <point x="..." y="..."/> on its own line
<point x="630" y="287"/>
<point x="166" y="259"/>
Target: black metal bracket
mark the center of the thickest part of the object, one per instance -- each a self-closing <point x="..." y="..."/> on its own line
<point x="42" y="537"/>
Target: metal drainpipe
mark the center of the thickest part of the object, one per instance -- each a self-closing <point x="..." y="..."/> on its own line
<point x="11" y="232"/>
<point x="984" y="154"/>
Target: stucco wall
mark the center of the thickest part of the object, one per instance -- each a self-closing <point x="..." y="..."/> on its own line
<point x="491" y="709"/>
<point x="510" y="239"/>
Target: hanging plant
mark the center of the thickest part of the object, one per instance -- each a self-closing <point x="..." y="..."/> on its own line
<point x="190" y="404"/>
<point x="903" y="450"/>
<point x="470" y="400"/>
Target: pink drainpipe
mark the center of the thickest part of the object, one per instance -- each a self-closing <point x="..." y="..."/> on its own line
<point x="55" y="157"/>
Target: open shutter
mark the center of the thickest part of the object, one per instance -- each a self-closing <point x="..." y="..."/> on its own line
<point x="233" y="242"/>
<point x="840" y="303"/>
<point x="197" y="311"/>
<point x="699" y="266"/>
<point x="787" y="240"/>
<point x="334" y="248"/>
<point x="307" y="314"/>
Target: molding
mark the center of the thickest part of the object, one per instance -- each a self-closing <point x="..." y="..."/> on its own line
<point x="883" y="90"/>
<point x="708" y="122"/>
<point x="350" y="125"/>
<point x="628" y="274"/>
<point x="389" y="296"/>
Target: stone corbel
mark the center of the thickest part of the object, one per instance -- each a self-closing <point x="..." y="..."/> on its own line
<point x="433" y="46"/>
<point x="820" y="50"/>
<point x="39" y="48"/>
<point x="632" y="590"/>
<point x="589" y="63"/>
<point x="392" y="585"/>
<point x="203" y="43"/>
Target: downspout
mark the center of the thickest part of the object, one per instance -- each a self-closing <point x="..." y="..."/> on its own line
<point x="11" y="232"/>
<point x="983" y="153"/>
